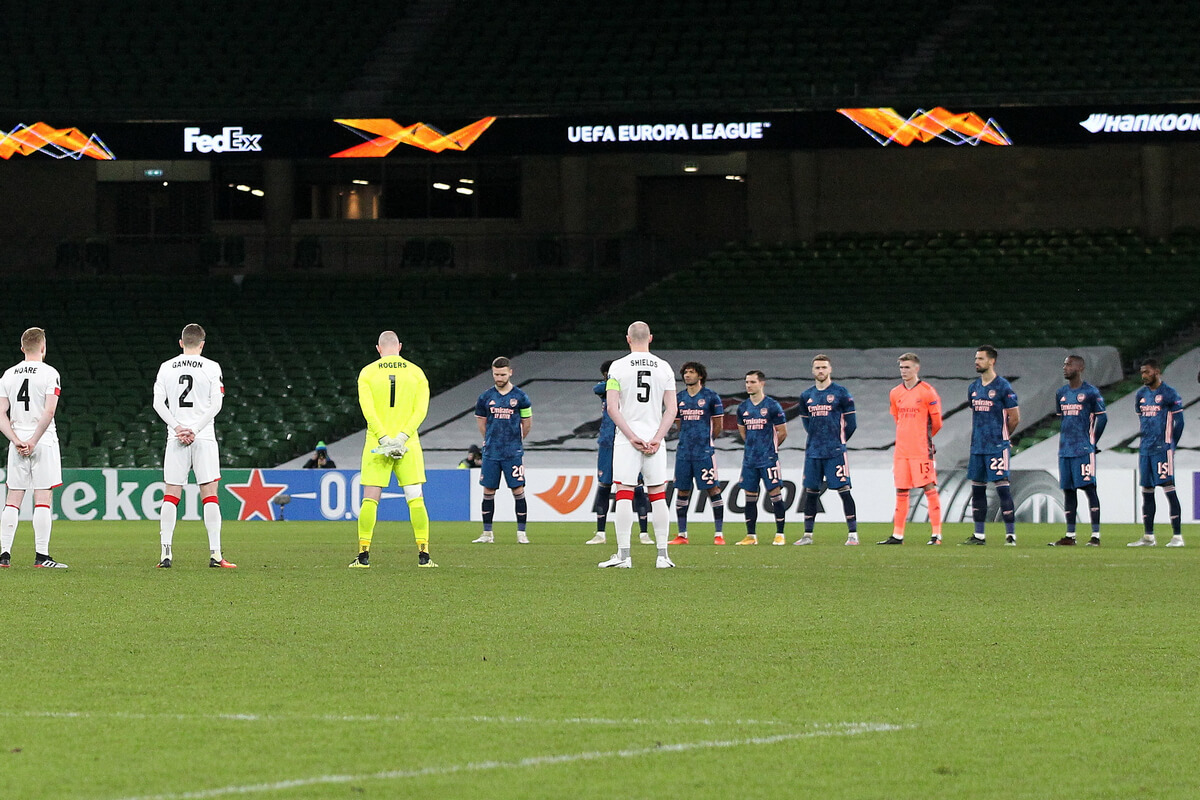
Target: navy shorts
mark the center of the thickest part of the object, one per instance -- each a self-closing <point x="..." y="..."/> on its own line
<point x="771" y="477"/>
<point x="988" y="468"/>
<point x="604" y="464"/>
<point x="1156" y="469"/>
<point x="700" y="472"/>
<point x="834" y="470"/>
<point x="511" y="468"/>
<point x="1076" y="472"/>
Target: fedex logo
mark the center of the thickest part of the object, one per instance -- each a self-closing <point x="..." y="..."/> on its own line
<point x="229" y="140"/>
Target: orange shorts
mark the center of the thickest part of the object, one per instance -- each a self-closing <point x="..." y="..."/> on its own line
<point x="910" y="473"/>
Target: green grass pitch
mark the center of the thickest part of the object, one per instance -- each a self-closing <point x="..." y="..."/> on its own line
<point x="523" y="671"/>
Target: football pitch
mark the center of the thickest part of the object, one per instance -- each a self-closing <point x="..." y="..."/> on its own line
<point x="523" y="671"/>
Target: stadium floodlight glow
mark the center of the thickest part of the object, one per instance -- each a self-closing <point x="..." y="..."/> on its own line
<point x="442" y="186"/>
<point x="361" y="182"/>
<point x="257" y="192"/>
<point x="466" y="180"/>
<point x="737" y="178"/>
<point x="464" y="190"/>
<point x="691" y="166"/>
<point x="241" y="187"/>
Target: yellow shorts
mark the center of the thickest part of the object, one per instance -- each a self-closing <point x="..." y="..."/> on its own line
<point x="377" y="470"/>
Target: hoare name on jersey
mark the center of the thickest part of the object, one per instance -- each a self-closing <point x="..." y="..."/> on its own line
<point x="643" y="362"/>
<point x="23" y="370"/>
<point x="186" y="362"/>
<point x="392" y="365"/>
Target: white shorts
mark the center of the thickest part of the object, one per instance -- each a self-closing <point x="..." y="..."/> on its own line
<point x="628" y="463"/>
<point x="200" y="456"/>
<point x="41" y="470"/>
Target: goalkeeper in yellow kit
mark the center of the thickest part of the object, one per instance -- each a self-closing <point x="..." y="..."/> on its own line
<point x="394" y="396"/>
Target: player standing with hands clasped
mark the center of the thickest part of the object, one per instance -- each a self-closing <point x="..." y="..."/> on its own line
<point x="1160" y="412"/>
<point x="917" y="409"/>
<point x="188" y="393"/>
<point x="641" y="402"/>
<point x="994" y="416"/>
<point x="763" y="427"/>
<point x="393" y="394"/>
<point x="504" y="416"/>
<point x="827" y="412"/>
<point x="29" y="394"/>
<point x="701" y="418"/>
<point x="1084" y="417"/>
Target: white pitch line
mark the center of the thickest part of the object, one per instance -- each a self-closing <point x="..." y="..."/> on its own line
<point x="350" y="718"/>
<point x="843" y="729"/>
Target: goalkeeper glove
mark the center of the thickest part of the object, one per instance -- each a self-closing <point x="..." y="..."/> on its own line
<point x="392" y="446"/>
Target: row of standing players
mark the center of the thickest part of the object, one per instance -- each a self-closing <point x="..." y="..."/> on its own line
<point x="641" y="404"/>
<point x="827" y="412"/>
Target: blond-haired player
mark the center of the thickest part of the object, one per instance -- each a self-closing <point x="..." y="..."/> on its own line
<point x="394" y="396"/>
<point x="917" y="409"/>
<point x="188" y="394"/>
<point x="29" y="394"/>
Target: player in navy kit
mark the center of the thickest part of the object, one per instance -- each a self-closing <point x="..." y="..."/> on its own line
<point x="763" y="427"/>
<point x="1160" y="411"/>
<point x="604" y="479"/>
<point x="1081" y="407"/>
<point x="994" y="416"/>
<point x="701" y="417"/>
<point x="505" y="416"/>
<point x="827" y="411"/>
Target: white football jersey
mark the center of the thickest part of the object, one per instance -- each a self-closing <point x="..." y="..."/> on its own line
<point x="190" y="390"/>
<point x="643" y="380"/>
<point x="26" y="385"/>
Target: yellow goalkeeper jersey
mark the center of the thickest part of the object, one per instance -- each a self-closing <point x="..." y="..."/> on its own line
<point x="394" y="396"/>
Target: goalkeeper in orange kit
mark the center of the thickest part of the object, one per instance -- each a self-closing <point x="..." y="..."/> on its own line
<point x="917" y="409"/>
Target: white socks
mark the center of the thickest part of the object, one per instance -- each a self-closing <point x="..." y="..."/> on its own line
<point x="8" y="528"/>
<point x="41" y="529"/>
<point x="212" y="524"/>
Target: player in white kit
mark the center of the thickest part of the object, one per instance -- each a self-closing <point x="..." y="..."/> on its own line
<point x="29" y="395"/>
<point x="187" y="395"/>
<point x="641" y="401"/>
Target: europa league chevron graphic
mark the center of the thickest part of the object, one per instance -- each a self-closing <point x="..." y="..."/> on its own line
<point x="39" y="137"/>
<point x="886" y="126"/>
<point x="388" y="133"/>
<point x="567" y="494"/>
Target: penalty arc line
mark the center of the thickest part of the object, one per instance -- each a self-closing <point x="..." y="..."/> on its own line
<point x="851" y="729"/>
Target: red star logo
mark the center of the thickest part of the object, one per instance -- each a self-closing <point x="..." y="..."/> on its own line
<point x="255" y="496"/>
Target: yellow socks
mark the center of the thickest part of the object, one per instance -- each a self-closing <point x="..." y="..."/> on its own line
<point x="367" y="515"/>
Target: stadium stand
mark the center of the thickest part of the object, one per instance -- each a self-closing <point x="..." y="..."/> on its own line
<point x="1029" y="50"/>
<point x="701" y="54"/>
<point x="128" y="57"/>
<point x="951" y="288"/>
<point x="290" y="350"/>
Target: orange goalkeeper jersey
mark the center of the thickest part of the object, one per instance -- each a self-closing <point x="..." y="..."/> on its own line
<point x="918" y="415"/>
